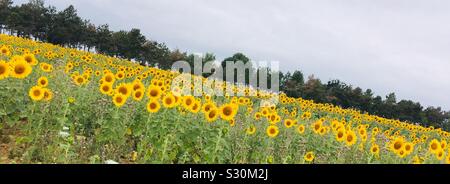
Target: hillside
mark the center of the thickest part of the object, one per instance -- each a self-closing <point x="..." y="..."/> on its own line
<point x="63" y="105"/>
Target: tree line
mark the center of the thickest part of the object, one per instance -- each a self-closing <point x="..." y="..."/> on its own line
<point x="44" y="23"/>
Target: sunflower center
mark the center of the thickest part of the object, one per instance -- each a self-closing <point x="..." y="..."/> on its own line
<point x="20" y="69"/>
<point x="123" y="90"/>
<point x="105" y="88"/>
<point x="137" y="94"/>
<point x="433" y="146"/>
<point x="212" y="114"/>
<point x="227" y="111"/>
<point x="316" y="126"/>
<point x="168" y="101"/>
<point x="28" y="59"/>
<point x="349" y="138"/>
<point x="153" y="93"/>
<point x="119" y="99"/>
<point x="407" y="147"/>
<point x="272" y="131"/>
<point x="397" y="145"/>
<point x="36" y="93"/>
<point x="2" y="70"/>
<point x="108" y="79"/>
<point x="152" y="106"/>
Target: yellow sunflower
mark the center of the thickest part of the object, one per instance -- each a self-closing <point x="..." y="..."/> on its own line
<point x="195" y="107"/>
<point x="20" y="69"/>
<point x="309" y="156"/>
<point x="43" y="82"/>
<point x="4" y="70"/>
<point x="109" y="78"/>
<point x="154" y="92"/>
<point x="169" y="101"/>
<point x="106" y="88"/>
<point x="350" y="138"/>
<point x="301" y="129"/>
<point x="138" y="94"/>
<point x="375" y="149"/>
<point x="119" y="99"/>
<point x="124" y="89"/>
<point x="212" y="115"/>
<point x="228" y="111"/>
<point x="36" y="93"/>
<point x="30" y="59"/>
<point x="48" y="95"/>
<point x="5" y="51"/>
<point x="435" y="146"/>
<point x="272" y="131"/>
<point x="153" y="106"/>
<point x="251" y="130"/>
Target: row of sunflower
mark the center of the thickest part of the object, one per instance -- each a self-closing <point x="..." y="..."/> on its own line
<point x="74" y="105"/>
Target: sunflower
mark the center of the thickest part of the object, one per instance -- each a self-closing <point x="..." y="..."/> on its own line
<point x="138" y="95"/>
<point x="232" y="122"/>
<point x="409" y="148"/>
<point x="435" y="146"/>
<point x="48" y="95"/>
<point x="137" y="84"/>
<point x="416" y="160"/>
<point x="188" y="101"/>
<point x="5" y="51"/>
<point x="124" y="89"/>
<point x="106" y="88"/>
<point x="109" y="78"/>
<point x="397" y="145"/>
<point x="350" y="138"/>
<point x="265" y="112"/>
<point x="340" y="135"/>
<point x="4" y="70"/>
<point x="447" y="159"/>
<point x="257" y="116"/>
<point x="208" y="106"/>
<point x="317" y="125"/>
<point x="272" y="131"/>
<point x="42" y="81"/>
<point x="36" y="93"/>
<point x="443" y="144"/>
<point x="46" y="67"/>
<point x="309" y="156"/>
<point x="169" y="101"/>
<point x="301" y="129"/>
<point x="289" y="123"/>
<point x="228" y="111"/>
<point x="212" y="115"/>
<point x="119" y="99"/>
<point x="440" y="154"/>
<point x="154" y="92"/>
<point x="251" y="130"/>
<point x="153" y="106"/>
<point x="195" y="107"/>
<point x="20" y="69"/>
<point x="30" y="59"/>
<point x="79" y="80"/>
<point x="375" y="149"/>
<point x="120" y="75"/>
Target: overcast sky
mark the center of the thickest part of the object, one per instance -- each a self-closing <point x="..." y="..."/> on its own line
<point x="400" y="46"/>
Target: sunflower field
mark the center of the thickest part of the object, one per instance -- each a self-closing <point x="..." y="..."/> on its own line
<point x="63" y="105"/>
